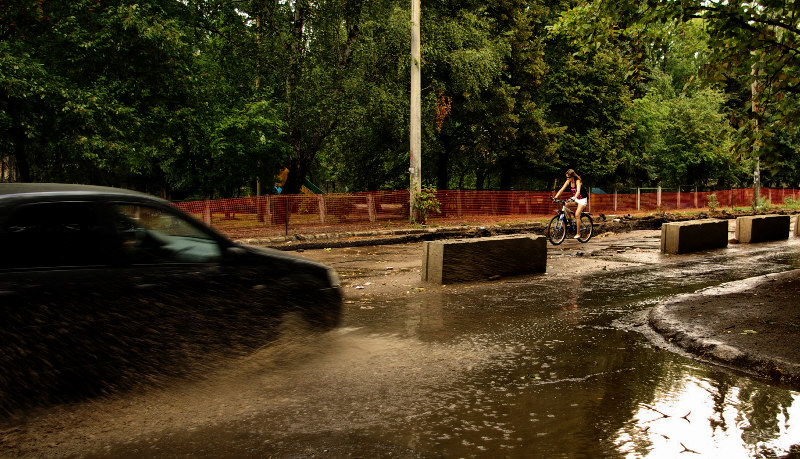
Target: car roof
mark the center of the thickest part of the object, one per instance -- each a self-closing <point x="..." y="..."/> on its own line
<point x="29" y="189"/>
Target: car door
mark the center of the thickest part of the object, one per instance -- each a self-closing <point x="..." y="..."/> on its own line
<point x="56" y="280"/>
<point x="189" y="300"/>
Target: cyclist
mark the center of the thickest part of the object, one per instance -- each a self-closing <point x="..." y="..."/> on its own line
<point x="578" y="194"/>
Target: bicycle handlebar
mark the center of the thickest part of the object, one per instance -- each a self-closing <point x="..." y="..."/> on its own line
<point x="562" y="201"/>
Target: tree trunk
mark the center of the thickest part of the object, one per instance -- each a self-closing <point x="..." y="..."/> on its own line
<point x="293" y="178"/>
<point x="506" y="178"/>
<point x="480" y="177"/>
<point x="21" y="161"/>
<point x="442" y="166"/>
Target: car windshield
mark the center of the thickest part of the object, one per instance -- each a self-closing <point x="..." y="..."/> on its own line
<point x="154" y="235"/>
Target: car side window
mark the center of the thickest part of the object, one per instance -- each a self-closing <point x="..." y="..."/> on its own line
<point x="153" y="235"/>
<point x="56" y="234"/>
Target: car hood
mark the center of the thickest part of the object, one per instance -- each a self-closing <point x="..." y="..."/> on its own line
<point x="295" y="263"/>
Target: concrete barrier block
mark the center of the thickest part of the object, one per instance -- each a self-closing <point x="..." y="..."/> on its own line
<point x="445" y="262"/>
<point x="694" y="236"/>
<point x="761" y="228"/>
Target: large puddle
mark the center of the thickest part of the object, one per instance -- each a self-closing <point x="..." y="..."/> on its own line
<point x="533" y="368"/>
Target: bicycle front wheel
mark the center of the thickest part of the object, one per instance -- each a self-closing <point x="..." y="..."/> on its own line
<point x="556" y="230"/>
<point x="586" y="228"/>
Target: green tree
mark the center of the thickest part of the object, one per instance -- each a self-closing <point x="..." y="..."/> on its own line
<point x="101" y="71"/>
<point x="682" y="134"/>
<point x="527" y="141"/>
<point x="748" y="43"/>
<point x="589" y="96"/>
<point x="369" y="148"/>
<point x="688" y="138"/>
<point x="235" y="132"/>
<point x="306" y="51"/>
<point x="488" y="66"/>
<point x="133" y="94"/>
<point x="463" y="61"/>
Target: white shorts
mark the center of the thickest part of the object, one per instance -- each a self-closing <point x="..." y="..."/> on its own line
<point x="581" y="202"/>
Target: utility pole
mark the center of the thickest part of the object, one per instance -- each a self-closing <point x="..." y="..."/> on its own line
<point x="755" y="90"/>
<point x="415" y="134"/>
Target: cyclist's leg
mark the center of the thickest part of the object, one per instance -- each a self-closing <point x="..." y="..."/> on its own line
<point x="577" y="219"/>
<point x="579" y="210"/>
<point x="577" y="215"/>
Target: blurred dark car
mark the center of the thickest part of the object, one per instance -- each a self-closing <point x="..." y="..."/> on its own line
<point x="99" y="286"/>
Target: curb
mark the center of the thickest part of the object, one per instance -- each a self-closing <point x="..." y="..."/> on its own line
<point x="383" y="237"/>
<point x="695" y="339"/>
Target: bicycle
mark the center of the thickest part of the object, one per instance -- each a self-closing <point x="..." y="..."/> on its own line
<point x="564" y="222"/>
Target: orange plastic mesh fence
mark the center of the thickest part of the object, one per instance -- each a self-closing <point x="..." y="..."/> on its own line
<point x="283" y="214"/>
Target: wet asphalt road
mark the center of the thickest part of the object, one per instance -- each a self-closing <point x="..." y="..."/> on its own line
<point x="553" y="365"/>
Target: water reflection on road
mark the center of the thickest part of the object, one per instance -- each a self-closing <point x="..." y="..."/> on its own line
<point x="568" y="382"/>
<point x="524" y="368"/>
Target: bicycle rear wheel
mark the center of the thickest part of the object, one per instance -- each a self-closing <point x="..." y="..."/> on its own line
<point x="586" y="228"/>
<point x="556" y="230"/>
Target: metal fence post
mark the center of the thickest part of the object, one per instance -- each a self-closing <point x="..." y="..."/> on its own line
<point x="323" y="212"/>
<point x="267" y="210"/>
<point x="658" y="197"/>
<point x="207" y="212"/>
<point x="371" y="207"/>
<point x="259" y="207"/>
<point x="527" y="203"/>
<point x="638" y="198"/>
<point x="589" y="201"/>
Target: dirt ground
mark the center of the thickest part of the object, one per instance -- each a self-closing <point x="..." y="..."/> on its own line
<point x="381" y="271"/>
<point x="752" y="324"/>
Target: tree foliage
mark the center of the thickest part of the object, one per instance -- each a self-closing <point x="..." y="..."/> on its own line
<point x="210" y="97"/>
<point x="750" y="52"/>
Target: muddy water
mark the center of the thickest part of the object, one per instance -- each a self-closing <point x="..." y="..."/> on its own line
<point x="548" y="366"/>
